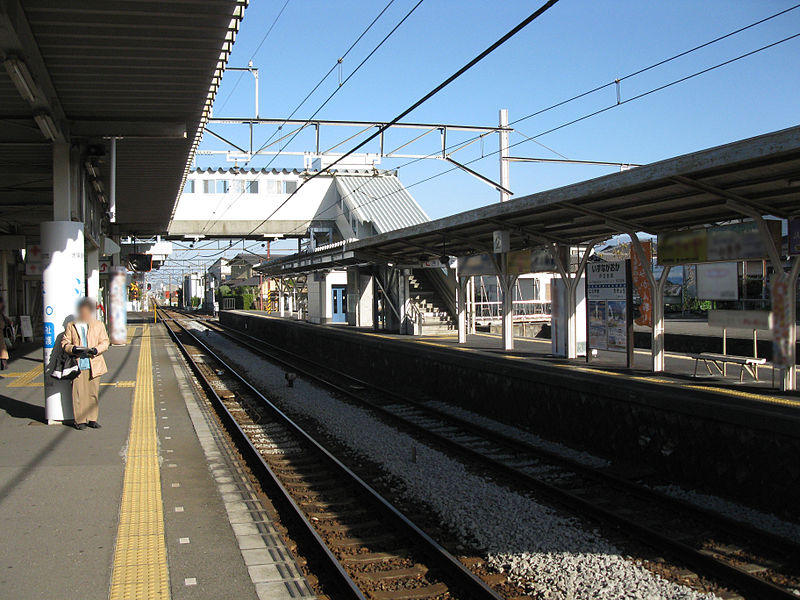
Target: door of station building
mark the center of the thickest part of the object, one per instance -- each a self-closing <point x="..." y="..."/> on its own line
<point x="339" y="303"/>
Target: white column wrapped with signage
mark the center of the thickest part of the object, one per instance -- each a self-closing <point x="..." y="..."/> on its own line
<point x="63" y="286"/>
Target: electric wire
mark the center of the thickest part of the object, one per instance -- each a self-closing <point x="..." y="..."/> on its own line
<point x="584" y="117"/>
<point x="261" y="43"/>
<point x="328" y="99"/>
<point x="604" y="86"/>
<point x="502" y="40"/>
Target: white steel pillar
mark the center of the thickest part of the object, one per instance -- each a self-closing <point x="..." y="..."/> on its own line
<point x="658" y="361"/>
<point x="571" y="286"/>
<point x="62" y="287"/>
<point x="471" y="299"/>
<point x="407" y="323"/>
<point x="507" y="285"/>
<point x="504" y="164"/>
<point x="461" y="308"/>
<point x="789" y="372"/>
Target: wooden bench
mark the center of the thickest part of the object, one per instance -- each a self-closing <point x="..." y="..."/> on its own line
<point x="748" y="363"/>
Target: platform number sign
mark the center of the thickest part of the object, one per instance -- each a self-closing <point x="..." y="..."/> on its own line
<point x="609" y="319"/>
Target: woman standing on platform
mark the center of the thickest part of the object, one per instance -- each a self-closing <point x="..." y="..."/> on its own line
<point x="87" y="339"/>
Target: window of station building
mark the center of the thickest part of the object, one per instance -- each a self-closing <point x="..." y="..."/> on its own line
<point x="223" y="186"/>
<point x="208" y="186"/>
<point x="273" y="186"/>
<point x="189" y="187"/>
<point x="237" y="186"/>
<point x="289" y="187"/>
<point x="251" y="187"/>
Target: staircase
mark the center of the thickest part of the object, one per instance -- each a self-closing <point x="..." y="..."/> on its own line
<point x="437" y="316"/>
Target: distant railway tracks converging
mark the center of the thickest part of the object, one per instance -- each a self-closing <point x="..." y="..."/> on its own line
<point x="738" y="556"/>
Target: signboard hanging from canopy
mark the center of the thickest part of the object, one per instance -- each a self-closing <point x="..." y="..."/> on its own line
<point x="738" y="241"/>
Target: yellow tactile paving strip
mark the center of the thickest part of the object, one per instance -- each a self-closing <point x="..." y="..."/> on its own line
<point x="26" y="379"/>
<point x="140" y="555"/>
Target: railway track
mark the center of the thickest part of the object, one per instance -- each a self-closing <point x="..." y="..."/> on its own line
<point x="362" y="545"/>
<point x="753" y="562"/>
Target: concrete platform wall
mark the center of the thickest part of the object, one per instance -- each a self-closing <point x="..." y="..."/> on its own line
<point x="720" y="444"/>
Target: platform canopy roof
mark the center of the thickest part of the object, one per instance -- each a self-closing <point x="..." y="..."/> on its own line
<point x="760" y="175"/>
<point x="145" y="72"/>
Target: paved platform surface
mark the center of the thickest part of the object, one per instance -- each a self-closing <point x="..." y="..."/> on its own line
<point x="145" y="507"/>
<point x="679" y="367"/>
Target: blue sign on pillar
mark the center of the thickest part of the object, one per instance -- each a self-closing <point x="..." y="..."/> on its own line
<point x="49" y="335"/>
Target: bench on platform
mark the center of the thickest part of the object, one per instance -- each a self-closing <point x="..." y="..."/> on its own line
<point x="748" y="363"/>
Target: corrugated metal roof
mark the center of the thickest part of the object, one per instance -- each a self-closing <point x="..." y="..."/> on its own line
<point x="382" y="201"/>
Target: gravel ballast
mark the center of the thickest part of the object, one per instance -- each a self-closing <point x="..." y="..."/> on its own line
<point x="549" y="554"/>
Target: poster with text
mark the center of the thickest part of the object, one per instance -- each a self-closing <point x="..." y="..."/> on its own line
<point x="598" y="328"/>
<point x="616" y="311"/>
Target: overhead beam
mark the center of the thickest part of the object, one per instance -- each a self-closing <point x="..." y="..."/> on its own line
<point x="128" y="129"/>
<point x="248" y="120"/>
<point x="722" y="193"/>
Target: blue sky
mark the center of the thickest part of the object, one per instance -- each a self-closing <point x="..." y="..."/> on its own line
<point x="575" y="46"/>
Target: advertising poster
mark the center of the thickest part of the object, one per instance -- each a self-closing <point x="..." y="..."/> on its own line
<point x="598" y="328"/>
<point x="616" y="313"/>
<point x="738" y="241"/>
<point x="782" y="323"/>
<point x="642" y="284"/>
<point x="518" y="262"/>
<point x="718" y="281"/>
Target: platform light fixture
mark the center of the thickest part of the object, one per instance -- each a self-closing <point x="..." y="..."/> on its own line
<point x="22" y="78"/>
<point x="48" y="126"/>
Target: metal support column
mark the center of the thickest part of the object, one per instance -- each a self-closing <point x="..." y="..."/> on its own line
<point x="407" y="322"/>
<point x="504" y="163"/>
<point x="571" y="285"/>
<point x="657" y="287"/>
<point x="507" y="284"/>
<point x="461" y="307"/>
<point x="789" y="373"/>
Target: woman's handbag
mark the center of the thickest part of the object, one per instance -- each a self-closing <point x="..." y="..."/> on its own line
<point x="66" y="367"/>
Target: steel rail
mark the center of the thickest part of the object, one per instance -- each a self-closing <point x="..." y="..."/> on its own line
<point x="264" y="473"/>
<point x="709" y="564"/>
<point x="464" y="578"/>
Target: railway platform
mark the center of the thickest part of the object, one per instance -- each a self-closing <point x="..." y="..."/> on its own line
<point x="152" y="505"/>
<point x="729" y="439"/>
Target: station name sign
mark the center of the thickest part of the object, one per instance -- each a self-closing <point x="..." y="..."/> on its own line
<point x="739" y="241"/>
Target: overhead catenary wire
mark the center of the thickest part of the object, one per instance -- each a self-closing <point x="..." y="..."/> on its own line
<point x="601" y="87"/>
<point x="597" y="89"/>
<point x="585" y="117"/>
<point x="502" y="40"/>
<point x="335" y="65"/>
<point x="255" y="52"/>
